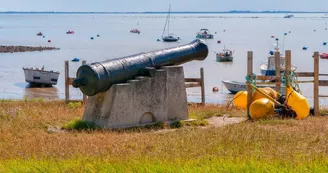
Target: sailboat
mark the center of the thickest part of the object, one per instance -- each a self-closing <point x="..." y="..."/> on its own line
<point x="169" y="37"/>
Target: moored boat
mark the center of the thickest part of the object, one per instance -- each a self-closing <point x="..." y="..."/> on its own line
<point x="324" y="55"/>
<point x="225" y="56"/>
<point x="269" y="68"/>
<point x="289" y="16"/>
<point x="39" y="34"/>
<point x="234" y="86"/>
<point x="135" y="31"/>
<point x="169" y="37"/>
<point x="70" y="32"/>
<point x="42" y="77"/>
<point x="205" y="34"/>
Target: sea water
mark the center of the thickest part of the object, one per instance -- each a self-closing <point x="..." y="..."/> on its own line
<point x="240" y="32"/>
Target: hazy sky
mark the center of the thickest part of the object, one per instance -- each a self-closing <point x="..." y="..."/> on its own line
<point x="161" y="5"/>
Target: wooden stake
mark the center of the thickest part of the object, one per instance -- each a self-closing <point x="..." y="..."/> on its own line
<point x="66" y="82"/>
<point x="202" y="85"/>
<point x="316" y="84"/>
<point x="277" y="62"/>
<point x="288" y="67"/>
<point x="84" y="96"/>
<point x="249" y="74"/>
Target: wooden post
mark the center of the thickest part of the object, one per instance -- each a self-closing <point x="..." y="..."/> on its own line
<point x="202" y="85"/>
<point x="84" y="96"/>
<point x="287" y="68"/>
<point x="249" y="74"/>
<point x="66" y="82"/>
<point x="316" y="84"/>
<point x="277" y="63"/>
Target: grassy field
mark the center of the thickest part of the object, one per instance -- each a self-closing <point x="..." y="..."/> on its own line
<point x="27" y="143"/>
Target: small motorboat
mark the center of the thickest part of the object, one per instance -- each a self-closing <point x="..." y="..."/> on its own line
<point x="41" y="77"/>
<point x="39" y="34"/>
<point x="234" y="86"/>
<point x="225" y="56"/>
<point x="269" y="68"/>
<point x="135" y="31"/>
<point x="289" y="16"/>
<point x="205" y="34"/>
<point x="70" y="32"/>
<point x="324" y="55"/>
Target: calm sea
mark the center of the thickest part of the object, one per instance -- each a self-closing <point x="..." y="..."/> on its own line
<point x="241" y="32"/>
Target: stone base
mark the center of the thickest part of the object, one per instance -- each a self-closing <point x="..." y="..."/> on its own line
<point x="145" y="100"/>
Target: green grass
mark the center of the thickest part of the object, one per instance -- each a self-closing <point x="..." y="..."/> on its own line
<point x="271" y="145"/>
<point x="74" y="105"/>
<point x="148" y="165"/>
<point x="79" y="125"/>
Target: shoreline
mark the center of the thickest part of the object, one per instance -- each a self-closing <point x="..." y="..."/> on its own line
<point x="12" y="49"/>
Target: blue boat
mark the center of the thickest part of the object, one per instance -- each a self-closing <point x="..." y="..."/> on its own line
<point x="269" y="68"/>
<point x="76" y="59"/>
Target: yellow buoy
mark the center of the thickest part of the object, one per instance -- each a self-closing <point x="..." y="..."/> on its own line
<point x="271" y="92"/>
<point x="240" y="100"/>
<point x="261" y="108"/>
<point x="298" y="103"/>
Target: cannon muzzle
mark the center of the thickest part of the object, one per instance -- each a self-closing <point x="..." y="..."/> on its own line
<point x="100" y="76"/>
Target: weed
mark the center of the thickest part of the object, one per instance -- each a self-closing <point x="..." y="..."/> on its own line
<point x="78" y="124"/>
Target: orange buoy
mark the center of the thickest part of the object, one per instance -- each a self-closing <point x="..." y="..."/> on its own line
<point x="219" y="41"/>
<point x="271" y="92"/>
<point x="49" y="41"/>
<point x="215" y="89"/>
<point x="240" y="100"/>
<point x="261" y="108"/>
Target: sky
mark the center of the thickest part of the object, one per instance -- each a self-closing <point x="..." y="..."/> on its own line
<point x="161" y="5"/>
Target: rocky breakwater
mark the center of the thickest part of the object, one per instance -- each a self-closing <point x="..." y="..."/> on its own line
<point x="12" y="49"/>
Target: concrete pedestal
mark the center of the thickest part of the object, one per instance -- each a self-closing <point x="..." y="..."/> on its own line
<point x="145" y="100"/>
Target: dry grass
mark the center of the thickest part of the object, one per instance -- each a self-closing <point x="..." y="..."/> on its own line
<point x="273" y="145"/>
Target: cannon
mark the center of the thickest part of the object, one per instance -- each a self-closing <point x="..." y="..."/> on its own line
<point x="100" y="76"/>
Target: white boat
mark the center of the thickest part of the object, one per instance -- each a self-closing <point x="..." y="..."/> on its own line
<point x="269" y="68"/>
<point x="234" y="86"/>
<point x="205" y="34"/>
<point x="169" y="37"/>
<point x="225" y="56"/>
<point x="36" y="76"/>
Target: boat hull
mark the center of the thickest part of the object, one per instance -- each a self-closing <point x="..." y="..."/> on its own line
<point x="324" y="55"/>
<point x="224" y="58"/>
<point x="166" y="39"/>
<point x="234" y="86"/>
<point x="209" y="36"/>
<point x="40" y="77"/>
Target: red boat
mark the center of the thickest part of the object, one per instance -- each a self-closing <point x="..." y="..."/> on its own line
<point x="39" y="34"/>
<point x="135" y="31"/>
<point x="324" y="55"/>
<point x="70" y="32"/>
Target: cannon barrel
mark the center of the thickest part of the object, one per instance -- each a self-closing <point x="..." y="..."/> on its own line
<point x="100" y="76"/>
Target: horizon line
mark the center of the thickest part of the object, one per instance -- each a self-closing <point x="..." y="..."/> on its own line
<point x="160" y="12"/>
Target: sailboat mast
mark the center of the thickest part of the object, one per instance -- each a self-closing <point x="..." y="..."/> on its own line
<point x="168" y="25"/>
<point x="167" y="17"/>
